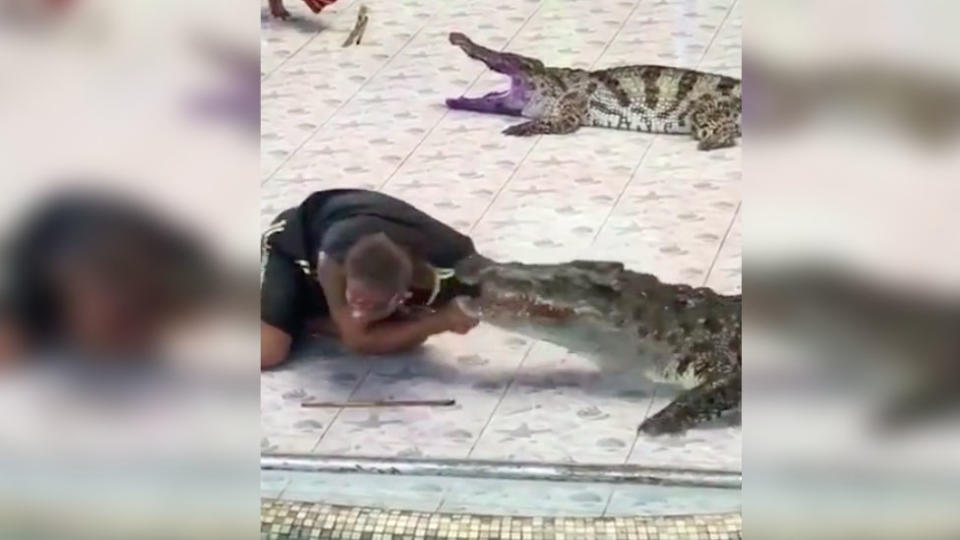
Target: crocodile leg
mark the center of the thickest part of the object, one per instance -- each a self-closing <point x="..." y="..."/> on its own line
<point x="714" y="124"/>
<point x="567" y="117"/>
<point x="699" y="404"/>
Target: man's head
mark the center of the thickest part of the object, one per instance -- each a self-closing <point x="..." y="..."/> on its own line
<point x="378" y="276"/>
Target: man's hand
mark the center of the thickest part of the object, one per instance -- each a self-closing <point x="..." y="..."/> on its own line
<point x="455" y="319"/>
<point x="278" y="11"/>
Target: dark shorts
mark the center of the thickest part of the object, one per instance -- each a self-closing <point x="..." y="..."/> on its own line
<point x="288" y="296"/>
<point x="289" y="293"/>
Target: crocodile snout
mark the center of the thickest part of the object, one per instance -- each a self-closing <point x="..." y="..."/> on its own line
<point x="459" y="39"/>
<point x="469" y="270"/>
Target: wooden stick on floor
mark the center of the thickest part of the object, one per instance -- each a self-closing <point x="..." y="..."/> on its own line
<point x="361" y="25"/>
<point x="359" y="404"/>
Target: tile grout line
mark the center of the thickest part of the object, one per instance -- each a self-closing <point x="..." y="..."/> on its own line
<point x="340" y="410"/>
<point x="623" y="191"/>
<point x="726" y="234"/>
<point x="309" y="40"/>
<point x="703" y="56"/>
<point x="447" y="111"/>
<point x="636" y="435"/>
<point x="503" y="396"/>
<point x="616" y="34"/>
<point x="265" y="76"/>
<point x="497" y="195"/>
<point x="504" y="186"/>
<point x="716" y="33"/>
<point x="716" y="255"/>
<point x="626" y="184"/>
<point x="540" y="137"/>
<point x="606" y="506"/>
<point x="653" y="139"/>
<point x="656" y="136"/>
<point x="283" y="490"/>
<point x="349" y="99"/>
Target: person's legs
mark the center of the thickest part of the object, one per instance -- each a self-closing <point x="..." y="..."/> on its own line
<point x="274" y="345"/>
<point x="282" y="308"/>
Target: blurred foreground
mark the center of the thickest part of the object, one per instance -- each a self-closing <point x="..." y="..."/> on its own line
<point x="128" y="226"/>
<point x="852" y="280"/>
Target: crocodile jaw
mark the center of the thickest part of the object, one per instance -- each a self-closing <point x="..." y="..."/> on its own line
<point x="508" y="102"/>
<point x="511" y="101"/>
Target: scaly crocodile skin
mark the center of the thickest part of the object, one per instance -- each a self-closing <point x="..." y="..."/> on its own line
<point x="656" y="99"/>
<point x="605" y="309"/>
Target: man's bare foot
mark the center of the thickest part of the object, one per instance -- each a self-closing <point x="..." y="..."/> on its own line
<point x="278" y="11"/>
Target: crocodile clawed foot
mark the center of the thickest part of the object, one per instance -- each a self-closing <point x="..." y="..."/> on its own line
<point x="701" y="403"/>
<point x="654" y="426"/>
<point x="525" y="129"/>
<point x="709" y="144"/>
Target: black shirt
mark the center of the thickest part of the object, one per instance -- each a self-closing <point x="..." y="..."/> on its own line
<point x="332" y="221"/>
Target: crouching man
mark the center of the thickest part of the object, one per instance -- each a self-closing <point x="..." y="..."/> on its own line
<point x="363" y="267"/>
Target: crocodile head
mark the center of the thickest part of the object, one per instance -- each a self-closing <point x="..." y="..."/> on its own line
<point x="533" y="86"/>
<point x="546" y="295"/>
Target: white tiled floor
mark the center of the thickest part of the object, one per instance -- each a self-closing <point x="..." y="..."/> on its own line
<point x="496" y="496"/>
<point x="373" y="116"/>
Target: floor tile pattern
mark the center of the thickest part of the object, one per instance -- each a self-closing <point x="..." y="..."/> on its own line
<point x="373" y="116"/>
<point x="495" y="496"/>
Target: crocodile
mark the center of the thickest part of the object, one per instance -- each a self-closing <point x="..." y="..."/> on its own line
<point x="647" y="98"/>
<point x="601" y="308"/>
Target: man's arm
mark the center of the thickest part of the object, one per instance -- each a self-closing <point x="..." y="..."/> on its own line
<point x="379" y="338"/>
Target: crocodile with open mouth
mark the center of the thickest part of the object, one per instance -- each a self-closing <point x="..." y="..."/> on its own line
<point x="648" y="98"/>
<point x="603" y="309"/>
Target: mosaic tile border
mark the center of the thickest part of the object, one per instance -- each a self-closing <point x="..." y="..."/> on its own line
<point x="302" y="520"/>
